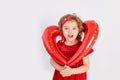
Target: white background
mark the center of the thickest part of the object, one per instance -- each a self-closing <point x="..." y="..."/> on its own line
<point x="22" y="22"/>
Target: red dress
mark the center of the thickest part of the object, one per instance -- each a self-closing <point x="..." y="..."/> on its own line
<point x="69" y="51"/>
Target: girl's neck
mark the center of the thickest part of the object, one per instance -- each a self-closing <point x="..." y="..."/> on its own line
<point x="71" y="42"/>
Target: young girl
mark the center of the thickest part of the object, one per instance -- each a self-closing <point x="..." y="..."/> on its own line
<point x="71" y="27"/>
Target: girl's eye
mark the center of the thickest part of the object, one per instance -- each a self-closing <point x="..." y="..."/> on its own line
<point x="66" y="28"/>
<point x="74" y="28"/>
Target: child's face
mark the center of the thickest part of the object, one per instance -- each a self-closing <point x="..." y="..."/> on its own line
<point x="70" y="30"/>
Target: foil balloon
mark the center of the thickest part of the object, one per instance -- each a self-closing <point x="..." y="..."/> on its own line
<point x="49" y="40"/>
<point x="90" y="36"/>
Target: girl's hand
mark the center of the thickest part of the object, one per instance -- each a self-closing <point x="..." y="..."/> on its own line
<point x="67" y="71"/>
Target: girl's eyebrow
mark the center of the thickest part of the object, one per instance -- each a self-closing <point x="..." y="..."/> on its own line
<point x="65" y="26"/>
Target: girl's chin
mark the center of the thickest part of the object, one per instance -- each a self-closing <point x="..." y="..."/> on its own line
<point x="71" y="42"/>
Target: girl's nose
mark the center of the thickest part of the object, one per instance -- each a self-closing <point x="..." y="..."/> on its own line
<point x="70" y="31"/>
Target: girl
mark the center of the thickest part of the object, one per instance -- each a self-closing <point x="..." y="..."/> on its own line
<point x="71" y="27"/>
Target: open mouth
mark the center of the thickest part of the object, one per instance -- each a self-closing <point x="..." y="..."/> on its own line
<point x="70" y="36"/>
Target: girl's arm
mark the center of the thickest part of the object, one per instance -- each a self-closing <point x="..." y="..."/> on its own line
<point x="56" y="65"/>
<point x="83" y="68"/>
<point x="69" y="71"/>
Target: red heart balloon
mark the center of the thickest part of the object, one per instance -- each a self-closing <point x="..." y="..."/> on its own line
<point x="91" y="34"/>
<point x="49" y="40"/>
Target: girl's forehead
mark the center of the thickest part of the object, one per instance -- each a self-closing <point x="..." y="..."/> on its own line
<point x="70" y="23"/>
